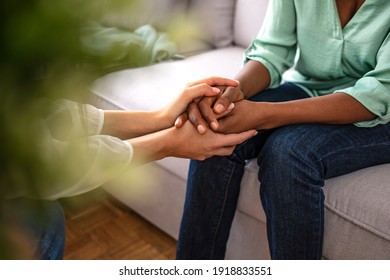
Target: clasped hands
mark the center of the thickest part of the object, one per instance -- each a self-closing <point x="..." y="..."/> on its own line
<point x="225" y="112"/>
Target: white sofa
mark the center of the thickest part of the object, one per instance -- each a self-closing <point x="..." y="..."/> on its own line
<point x="357" y="216"/>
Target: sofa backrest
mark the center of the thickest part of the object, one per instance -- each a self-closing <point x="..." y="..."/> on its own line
<point x="157" y="13"/>
<point x="226" y="22"/>
<point x="221" y="23"/>
<point x="249" y="16"/>
<point x="215" y="20"/>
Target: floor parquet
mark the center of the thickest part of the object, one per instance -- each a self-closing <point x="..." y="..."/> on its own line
<point x="101" y="228"/>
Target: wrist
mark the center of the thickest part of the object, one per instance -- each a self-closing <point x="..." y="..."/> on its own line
<point x="167" y="142"/>
<point x="154" y="146"/>
<point x="267" y="115"/>
<point x="163" y="117"/>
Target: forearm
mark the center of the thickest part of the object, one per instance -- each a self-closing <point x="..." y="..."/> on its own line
<point x="130" y="124"/>
<point x="153" y="146"/>
<point x="254" y="78"/>
<point x="337" y="108"/>
<point x="185" y="142"/>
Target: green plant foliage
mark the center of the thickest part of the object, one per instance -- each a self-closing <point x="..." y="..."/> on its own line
<point x="41" y="61"/>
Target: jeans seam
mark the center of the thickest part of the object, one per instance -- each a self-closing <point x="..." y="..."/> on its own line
<point x="385" y="143"/>
<point x="349" y="148"/>
<point x="321" y="225"/>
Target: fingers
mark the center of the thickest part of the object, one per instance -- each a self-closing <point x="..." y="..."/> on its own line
<point x="224" y="151"/>
<point x="216" y="81"/>
<point x="205" y="107"/>
<point x="190" y="98"/>
<point x="235" y="139"/>
<point x="201" y="114"/>
<point x="200" y="90"/>
<point x="230" y="95"/>
<point x="196" y="118"/>
<point x="227" y="143"/>
<point x="180" y="120"/>
<point x="210" y="116"/>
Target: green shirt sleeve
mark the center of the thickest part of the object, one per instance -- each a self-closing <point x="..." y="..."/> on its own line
<point x="373" y="89"/>
<point x="275" y="44"/>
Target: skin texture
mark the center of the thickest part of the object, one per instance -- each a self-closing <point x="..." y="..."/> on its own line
<point x="153" y="135"/>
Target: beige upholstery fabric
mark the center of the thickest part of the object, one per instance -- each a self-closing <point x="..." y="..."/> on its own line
<point x="149" y="88"/>
<point x="158" y="13"/>
<point x="358" y="215"/>
<point x="215" y="20"/>
<point x="248" y="17"/>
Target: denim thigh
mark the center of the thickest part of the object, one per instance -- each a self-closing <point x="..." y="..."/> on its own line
<point x="43" y="225"/>
<point x="293" y="165"/>
<point x="252" y="147"/>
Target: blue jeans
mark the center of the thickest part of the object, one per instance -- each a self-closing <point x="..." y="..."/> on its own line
<point x="42" y="223"/>
<point x="293" y="163"/>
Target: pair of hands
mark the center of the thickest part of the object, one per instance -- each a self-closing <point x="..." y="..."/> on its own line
<point x="207" y="121"/>
<point x="215" y="103"/>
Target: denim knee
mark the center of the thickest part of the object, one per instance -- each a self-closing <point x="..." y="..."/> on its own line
<point x="290" y="155"/>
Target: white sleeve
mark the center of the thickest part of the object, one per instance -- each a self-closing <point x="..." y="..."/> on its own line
<point x="80" y="119"/>
<point x="74" y="158"/>
<point x="89" y="163"/>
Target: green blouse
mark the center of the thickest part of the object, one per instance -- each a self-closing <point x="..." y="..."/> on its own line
<point x="327" y="58"/>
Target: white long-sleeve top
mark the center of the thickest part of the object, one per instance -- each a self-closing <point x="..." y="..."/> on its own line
<point x="78" y="157"/>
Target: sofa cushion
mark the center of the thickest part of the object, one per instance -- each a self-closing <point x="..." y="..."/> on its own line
<point x="248" y="19"/>
<point x="357" y="217"/>
<point x="249" y="199"/>
<point x="215" y="19"/>
<point x="122" y="89"/>
<point x="356" y="209"/>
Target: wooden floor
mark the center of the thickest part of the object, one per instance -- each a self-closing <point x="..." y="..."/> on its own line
<point x="101" y="228"/>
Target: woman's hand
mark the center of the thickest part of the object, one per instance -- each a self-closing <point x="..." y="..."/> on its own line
<point x="186" y="142"/>
<point x="196" y="146"/>
<point x="206" y="88"/>
<point x="246" y="115"/>
<point x="130" y="124"/>
<point x="205" y="112"/>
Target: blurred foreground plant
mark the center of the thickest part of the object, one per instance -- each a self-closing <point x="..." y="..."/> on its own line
<point x="41" y="60"/>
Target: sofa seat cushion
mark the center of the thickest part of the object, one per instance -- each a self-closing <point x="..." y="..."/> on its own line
<point x="362" y="198"/>
<point x="159" y="83"/>
<point x="249" y="199"/>
<point x="357" y="215"/>
<point x="356" y="206"/>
